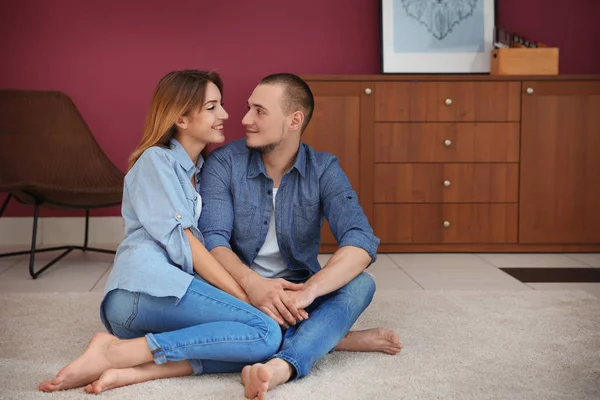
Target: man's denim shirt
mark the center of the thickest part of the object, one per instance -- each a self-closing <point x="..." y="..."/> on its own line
<point x="159" y="202"/>
<point x="238" y="202"/>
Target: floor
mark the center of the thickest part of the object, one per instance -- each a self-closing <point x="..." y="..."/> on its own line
<point x="84" y="272"/>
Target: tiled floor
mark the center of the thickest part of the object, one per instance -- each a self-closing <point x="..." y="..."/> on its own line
<point x="79" y="272"/>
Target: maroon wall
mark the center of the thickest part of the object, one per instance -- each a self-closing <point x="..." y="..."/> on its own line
<point x="108" y="55"/>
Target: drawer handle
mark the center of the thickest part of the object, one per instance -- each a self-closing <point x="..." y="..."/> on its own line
<point x="446" y="224"/>
<point x="368" y="91"/>
<point x="447" y="143"/>
<point x="447" y="183"/>
<point x="448" y="102"/>
<point x="529" y="90"/>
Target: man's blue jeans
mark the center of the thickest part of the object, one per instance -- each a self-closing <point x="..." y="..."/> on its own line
<point x="330" y="317"/>
<point x="215" y="331"/>
<point x="221" y="334"/>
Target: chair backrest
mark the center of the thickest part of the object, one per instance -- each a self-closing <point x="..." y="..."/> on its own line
<point x="45" y="141"/>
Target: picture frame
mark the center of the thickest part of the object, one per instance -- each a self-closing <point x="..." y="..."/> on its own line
<point x="436" y="36"/>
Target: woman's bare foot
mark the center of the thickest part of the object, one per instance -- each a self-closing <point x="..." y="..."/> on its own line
<point x="111" y="379"/>
<point x="115" y="378"/>
<point x="85" y="369"/>
<point x="259" y="378"/>
<point x="376" y="339"/>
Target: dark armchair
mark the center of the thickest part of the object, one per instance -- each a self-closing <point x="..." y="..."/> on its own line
<point x="49" y="157"/>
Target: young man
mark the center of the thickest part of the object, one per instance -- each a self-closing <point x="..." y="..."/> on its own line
<point x="265" y="198"/>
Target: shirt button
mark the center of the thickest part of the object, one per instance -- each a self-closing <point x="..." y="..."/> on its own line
<point x="265" y="222"/>
<point x="195" y="198"/>
<point x="178" y="216"/>
<point x="269" y="191"/>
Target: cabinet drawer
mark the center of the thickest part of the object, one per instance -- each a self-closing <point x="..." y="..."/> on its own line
<point x="447" y="101"/>
<point x="446" y="223"/>
<point x="446" y="142"/>
<point x="446" y="183"/>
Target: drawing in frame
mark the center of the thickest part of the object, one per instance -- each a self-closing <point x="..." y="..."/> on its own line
<point x="437" y="36"/>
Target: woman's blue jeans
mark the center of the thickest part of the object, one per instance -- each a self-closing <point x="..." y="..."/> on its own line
<point x="214" y="331"/>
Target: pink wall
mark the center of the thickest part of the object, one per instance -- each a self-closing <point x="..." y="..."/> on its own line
<point x="108" y="55"/>
<point x="571" y="25"/>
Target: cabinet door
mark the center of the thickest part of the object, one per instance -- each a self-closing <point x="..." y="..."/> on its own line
<point x="335" y="128"/>
<point x="560" y="163"/>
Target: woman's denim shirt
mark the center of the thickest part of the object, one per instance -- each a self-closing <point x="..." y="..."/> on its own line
<point x="159" y="202"/>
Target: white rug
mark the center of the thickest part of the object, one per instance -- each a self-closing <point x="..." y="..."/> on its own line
<point x="457" y="345"/>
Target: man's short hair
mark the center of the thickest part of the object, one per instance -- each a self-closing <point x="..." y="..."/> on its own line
<point x="296" y="96"/>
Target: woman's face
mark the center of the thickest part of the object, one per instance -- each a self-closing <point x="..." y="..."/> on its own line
<point x="206" y="123"/>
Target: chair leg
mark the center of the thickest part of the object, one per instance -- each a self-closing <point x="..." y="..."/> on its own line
<point x="5" y="204"/>
<point x="87" y="229"/>
<point x="67" y="249"/>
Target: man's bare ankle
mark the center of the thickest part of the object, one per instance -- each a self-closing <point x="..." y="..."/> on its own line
<point x="282" y="371"/>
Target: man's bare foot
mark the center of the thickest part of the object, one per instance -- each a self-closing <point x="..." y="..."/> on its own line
<point x="114" y="378"/>
<point x="256" y="381"/>
<point x="259" y="378"/>
<point x="376" y="339"/>
<point x="85" y="369"/>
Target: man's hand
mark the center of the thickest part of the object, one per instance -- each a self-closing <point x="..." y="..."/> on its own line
<point x="302" y="298"/>
<point x="273" y="297"/>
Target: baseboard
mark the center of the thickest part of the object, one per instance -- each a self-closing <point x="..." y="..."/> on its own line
<point x="55" y="231"/>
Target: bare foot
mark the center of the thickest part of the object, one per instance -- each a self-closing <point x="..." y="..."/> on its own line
<point x="111" y="379"/>
<point x="256" y="381"/>
<point x="259" y="378"/>
<point x="376" y="339"/>
<point x="85" y="369"/>
<point x="114" y="378"/>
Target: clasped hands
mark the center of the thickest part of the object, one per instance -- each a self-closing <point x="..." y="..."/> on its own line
<point x="281" y="300"/>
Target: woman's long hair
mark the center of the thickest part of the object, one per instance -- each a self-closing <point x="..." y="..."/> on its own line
<point x="178" y="93"/>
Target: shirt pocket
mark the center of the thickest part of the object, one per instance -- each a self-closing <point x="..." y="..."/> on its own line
<point x="306" y="226"/>
<point x="243" y="220"/>
<point x="191" y="195"/>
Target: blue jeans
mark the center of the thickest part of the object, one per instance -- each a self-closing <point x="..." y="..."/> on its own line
<point x="214" y="331"/>
<point x="330" y="317"/>
<point x="250" y="337"/>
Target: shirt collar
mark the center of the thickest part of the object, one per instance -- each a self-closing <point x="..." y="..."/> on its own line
<point x="183" y="158"/>
<point x="257" y="166"/>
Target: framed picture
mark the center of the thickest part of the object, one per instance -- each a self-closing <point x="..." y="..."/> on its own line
<point x="437" y="36"/>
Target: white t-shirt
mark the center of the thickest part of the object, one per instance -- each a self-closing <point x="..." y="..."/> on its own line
<point x="198" y="209"/>
<point x="269" y="263"/>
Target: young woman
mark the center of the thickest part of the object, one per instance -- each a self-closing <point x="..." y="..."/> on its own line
<point x="170" y="307"/>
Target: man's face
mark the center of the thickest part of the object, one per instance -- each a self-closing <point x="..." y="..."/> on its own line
<point x="265" y="121"/>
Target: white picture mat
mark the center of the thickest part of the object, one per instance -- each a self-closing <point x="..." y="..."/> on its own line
<point x="472" y="62"/>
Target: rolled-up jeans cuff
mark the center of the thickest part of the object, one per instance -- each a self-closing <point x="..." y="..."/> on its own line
<point x="157" y="352"/>
<point x="160" y="357"/>
<point x="293" y="363"/>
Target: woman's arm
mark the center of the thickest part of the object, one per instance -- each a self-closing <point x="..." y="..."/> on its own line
<point x="209" y="268"/>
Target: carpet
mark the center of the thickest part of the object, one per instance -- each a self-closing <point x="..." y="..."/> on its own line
<point x="457" y="345"/>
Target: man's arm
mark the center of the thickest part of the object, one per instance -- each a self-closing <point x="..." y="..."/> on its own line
<point x="343" y="266"/>
<point x="216" y="224"/>
<point x="350" y="226"/>
<point x="268" y="295"/>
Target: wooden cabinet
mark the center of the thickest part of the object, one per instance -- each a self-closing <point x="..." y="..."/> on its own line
<point x="467" y="163"/>
<point x="560" y="162"/>
<point x="335" y="127"/>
